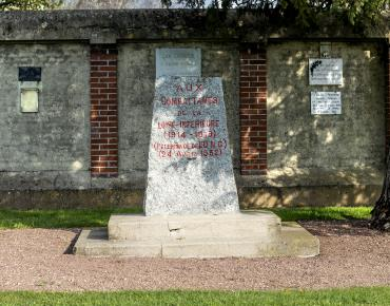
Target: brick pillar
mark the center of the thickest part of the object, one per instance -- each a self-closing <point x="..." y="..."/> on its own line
<point x="104" y="111"/>
<point x="253" y="111"/>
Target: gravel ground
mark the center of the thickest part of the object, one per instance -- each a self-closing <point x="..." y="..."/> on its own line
<point x="39" y="259"/>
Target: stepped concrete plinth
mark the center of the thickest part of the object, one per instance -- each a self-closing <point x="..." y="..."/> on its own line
<point x="245" y="234"/>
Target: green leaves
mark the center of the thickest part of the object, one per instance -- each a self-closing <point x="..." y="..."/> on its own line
<point x="10" y="5"/>
<point x="304" y="12"/>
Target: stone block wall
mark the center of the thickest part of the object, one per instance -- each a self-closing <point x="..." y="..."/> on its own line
<point x="93" y="127"/>
<point x="319" y="160"/>
<point x="48" y="149"/>
<point x="301" y="142"/>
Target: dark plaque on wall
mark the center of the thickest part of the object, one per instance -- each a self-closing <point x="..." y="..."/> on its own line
<point x="30" y="74"/>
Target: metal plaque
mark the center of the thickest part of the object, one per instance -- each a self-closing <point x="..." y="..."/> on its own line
<point x="30" y="74"/>
<point x="178" y="62"/>
<point x="325" y="103"/>
<point x="325" y="71"/>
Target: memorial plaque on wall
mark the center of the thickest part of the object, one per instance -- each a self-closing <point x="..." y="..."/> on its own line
<point x="326" y="103"/>
<point x="178" y="62"/>
<point x="325" y="71"/>
<point x="190" y="166"/>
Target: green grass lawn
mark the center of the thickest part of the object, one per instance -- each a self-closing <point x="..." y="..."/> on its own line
<point x="342" y="297"/>
<point x="323" y="213"/>
<point x="71" y="218"/>
<point x="61" y="218"/>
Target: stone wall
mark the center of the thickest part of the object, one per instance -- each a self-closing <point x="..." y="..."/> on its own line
<point x="290" y="157"/>
<point x="354" y="140"/>
<point x="322" y="159"/>
<point x="48" y="149"/>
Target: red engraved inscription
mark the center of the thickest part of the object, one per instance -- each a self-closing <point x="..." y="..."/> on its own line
<point x="193" y="127"/>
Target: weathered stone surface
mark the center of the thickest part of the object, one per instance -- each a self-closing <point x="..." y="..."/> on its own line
<point x="300" y="141"/>
<point x="75" y="199"/>
<point x="95" y="243"/>
<point x="136" y="87"/>
<point x="287" y="240"/>
<point x="249" y="225"/>
<point x="31" y="160"/>
<point x="190" y="167"/>
<point x="250" y="197"/>
<point x="159" y="24"/>
<point x="53" y="144"/>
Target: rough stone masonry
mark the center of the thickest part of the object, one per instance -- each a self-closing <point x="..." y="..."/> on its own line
<point x="282" y="154"/>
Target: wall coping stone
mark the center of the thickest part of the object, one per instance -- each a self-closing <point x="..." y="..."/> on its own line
<point x="108" y="26"/>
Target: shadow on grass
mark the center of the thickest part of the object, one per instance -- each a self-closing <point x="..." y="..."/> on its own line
<point x="340" y="228"/>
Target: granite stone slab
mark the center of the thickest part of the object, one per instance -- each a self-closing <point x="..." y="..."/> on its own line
<point x="190" y="166"/>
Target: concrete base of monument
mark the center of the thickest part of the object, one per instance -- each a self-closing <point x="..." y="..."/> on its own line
<point x="245" y="234"/>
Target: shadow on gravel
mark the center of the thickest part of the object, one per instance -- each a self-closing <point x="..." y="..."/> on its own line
<point x="340" y="228"/>
<point x="69" y="249"/>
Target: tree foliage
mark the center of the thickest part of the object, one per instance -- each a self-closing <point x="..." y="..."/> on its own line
<point x="10" y="5"/>
<point x="305" y="12"/>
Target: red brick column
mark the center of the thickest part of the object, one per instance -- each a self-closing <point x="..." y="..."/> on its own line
<point x="104" y="111"/>
<point x="253" y="111"/>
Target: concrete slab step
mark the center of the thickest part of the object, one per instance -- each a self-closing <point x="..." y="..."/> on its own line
<point x="297" y="241"/>
<point x="95" y="242"/>
<point x="293" y="240"/>
<point x="244" y="225"/>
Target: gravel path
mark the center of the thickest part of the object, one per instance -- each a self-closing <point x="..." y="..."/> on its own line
<point x="39" y="259"/>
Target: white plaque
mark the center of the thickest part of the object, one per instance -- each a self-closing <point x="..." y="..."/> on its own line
<point x="325" y="103"/>
<point x="29" y="100"/>
<point x="325" y="71"/>
<point x="178" y="62"/>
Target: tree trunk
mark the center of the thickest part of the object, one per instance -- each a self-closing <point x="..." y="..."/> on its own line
<point x="380" y="215"/>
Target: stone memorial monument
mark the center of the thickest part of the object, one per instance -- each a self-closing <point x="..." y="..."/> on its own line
<point x="190" y="166"/>
<point x="191" y="203"/>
